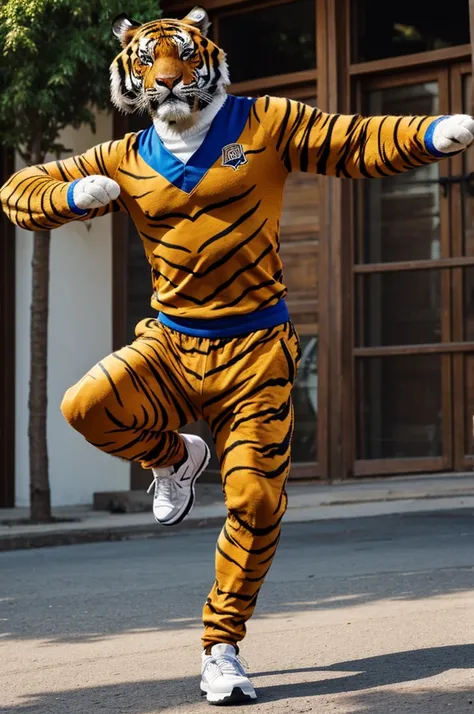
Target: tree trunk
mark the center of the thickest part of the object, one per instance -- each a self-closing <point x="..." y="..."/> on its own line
<point x="40" y="495"/>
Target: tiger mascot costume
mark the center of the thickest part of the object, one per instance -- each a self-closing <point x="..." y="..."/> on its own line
<point x="203" y="186"/>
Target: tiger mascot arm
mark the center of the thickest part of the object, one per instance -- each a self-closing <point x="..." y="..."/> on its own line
<point x="353" y="146"/>
<point x="81" y="187"/>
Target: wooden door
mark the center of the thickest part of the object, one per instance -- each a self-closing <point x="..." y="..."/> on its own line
<point x="402" y="361"/>
<point x="461" y="194"/>
<point x="413" y="281"/>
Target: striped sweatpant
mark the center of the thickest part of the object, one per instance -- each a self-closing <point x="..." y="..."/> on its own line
<point x="132" y="403"/>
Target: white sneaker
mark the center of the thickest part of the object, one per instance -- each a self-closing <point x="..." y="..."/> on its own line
<point x="174" y="489"/>
<point x="223" y="678"/>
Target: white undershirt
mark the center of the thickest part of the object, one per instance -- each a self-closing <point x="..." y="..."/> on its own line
<point x="184" y="144"/>
<point x="184" y="147"/>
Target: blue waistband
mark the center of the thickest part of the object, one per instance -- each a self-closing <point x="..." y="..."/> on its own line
<point x="233" y="326"/>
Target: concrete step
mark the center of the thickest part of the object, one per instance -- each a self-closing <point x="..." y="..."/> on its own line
<point x="141" y="502"/>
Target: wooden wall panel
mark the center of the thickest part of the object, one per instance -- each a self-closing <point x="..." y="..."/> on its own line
<point x="299" y="250"/>
<point x="300" y="205"/>
<point x="301" y="269"/>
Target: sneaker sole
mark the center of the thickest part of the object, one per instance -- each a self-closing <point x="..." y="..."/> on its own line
<point x="236" y="696"/>
<point x="181" y="516"/>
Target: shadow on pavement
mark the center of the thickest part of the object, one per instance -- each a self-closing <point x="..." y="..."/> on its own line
<point x="182" y="695"/>
<point x="88" y="593"/>
<point x="380" y="671"/>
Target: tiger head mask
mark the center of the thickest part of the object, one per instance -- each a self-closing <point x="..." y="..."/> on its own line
<point x="167" y="68"/>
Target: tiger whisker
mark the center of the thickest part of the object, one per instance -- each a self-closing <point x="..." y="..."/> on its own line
<point x="200" y="94"/>
<point x="142" y="104"/>
<point x="205" y="97"/>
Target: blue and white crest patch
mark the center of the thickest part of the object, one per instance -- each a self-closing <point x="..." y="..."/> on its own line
<point x="233" y="155"/>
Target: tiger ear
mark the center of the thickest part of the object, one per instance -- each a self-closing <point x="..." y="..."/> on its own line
<point x="199" y="18"/>
<point x="124" y="28"/>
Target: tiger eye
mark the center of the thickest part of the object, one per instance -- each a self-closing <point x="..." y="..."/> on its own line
<point x="146" y="60"/>
<point x="139" y="67"/>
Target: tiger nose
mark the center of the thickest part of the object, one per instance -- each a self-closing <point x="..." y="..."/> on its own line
<point x="168" y="80"/>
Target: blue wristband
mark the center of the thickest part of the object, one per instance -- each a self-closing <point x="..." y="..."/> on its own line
<point x="429" y="139"/>
<point x="70" y="199"/>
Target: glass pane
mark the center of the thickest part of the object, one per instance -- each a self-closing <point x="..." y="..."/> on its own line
<point x="305" y="400"/>
<point x="278" y="39"/>
<point x="468" y="243"/>
<point x="399" y="308"/>
<point x="403" y="212"/>
<point x="468" y="284"/>
<point x="469" y="403"/>
<point x="392" y="29"/>
<point x="468" y="167"/>
<point x="398" y="406"/>
<point x="138" y="283"/>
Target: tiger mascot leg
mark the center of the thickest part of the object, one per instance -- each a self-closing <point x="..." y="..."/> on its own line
<point x="131" y="405"/>
<point x="248" y="406"/>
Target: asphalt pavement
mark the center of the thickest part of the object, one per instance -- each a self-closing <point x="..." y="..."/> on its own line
<point x="357" y="616"/>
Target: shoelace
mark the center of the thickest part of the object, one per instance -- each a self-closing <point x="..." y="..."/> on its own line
<point x="163" y="486"/>
<point x="226" y="664"/>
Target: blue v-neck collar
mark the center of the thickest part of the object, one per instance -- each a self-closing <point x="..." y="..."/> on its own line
<point x="226" y="128"/>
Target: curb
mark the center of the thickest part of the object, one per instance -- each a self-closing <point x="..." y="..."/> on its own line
<point x="24" y="541"/>
<point x="83" y="534"/>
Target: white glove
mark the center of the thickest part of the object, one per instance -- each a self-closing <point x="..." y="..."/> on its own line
<point x="453" y="133"/>
<point x="94" y="192"/>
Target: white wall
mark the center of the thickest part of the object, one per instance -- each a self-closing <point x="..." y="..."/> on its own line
<point x="80" y="333"/>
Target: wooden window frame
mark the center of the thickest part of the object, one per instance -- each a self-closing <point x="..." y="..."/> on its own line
<point x="340" y="94"/>
<point x="379" y="69"/>
<point x="292" y="84"/>
<point x="419" y="59"/>
<point x="183" y="6"/>
<point x="335" y="254"/>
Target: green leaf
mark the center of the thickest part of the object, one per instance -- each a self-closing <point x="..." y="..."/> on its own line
<point x="54" y="65"/>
